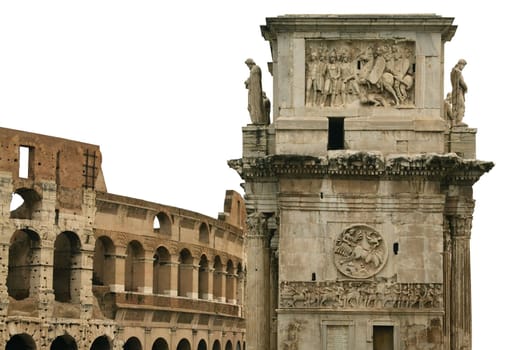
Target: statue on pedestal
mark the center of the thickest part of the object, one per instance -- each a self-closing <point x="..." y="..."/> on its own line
<point x="255" y="94"/>
<point x="459" y="90"/>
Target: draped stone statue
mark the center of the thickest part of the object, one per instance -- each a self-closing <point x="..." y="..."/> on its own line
<point x="459" y="89"/>
<point x="255" y="95"/>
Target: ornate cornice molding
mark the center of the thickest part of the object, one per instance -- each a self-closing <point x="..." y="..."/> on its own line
<point x="346" y="164"/>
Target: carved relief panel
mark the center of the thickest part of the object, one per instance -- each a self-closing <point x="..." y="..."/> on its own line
<point x="353" y="294"/>
<point x="353" y="73"/>
<point x="360" y="252"/>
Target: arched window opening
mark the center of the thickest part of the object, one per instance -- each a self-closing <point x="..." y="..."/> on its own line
<point x="155" y="224"/>
<point x="24" y="255"/>
<point x="218" y="280"/>
<point x="185" y="274"/>
<point x="101" y="343"/>
<point x="216" y="345"/>
<point x="104" y="262"/>
<point x="203" y="279"/>
<point x="162" y="224"/>
<point x="203" y="233"/>
<point x="161" y="271"/>
<point x="202" y="345"/>
<point x="134" y="269"/>
<point x="184" y="345"/>
<point x="228" y="346"/>
<point x="66" y="266"/>
<point x="24" y="202"/>
<point x="64" y="342"/>
<point x="238" y="345"/>
<point x="16" y="201"/>
<point x="132" y="344"/>
<point x="160" y="344"/>
<point x="21" y="341"/>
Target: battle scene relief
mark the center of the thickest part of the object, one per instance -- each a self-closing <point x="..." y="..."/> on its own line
<point x="352" y="73"/>
<point x="360" y="252"/>
<point x="382" y="293"/>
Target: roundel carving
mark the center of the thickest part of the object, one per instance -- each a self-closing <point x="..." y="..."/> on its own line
<point x="360" y="252"/>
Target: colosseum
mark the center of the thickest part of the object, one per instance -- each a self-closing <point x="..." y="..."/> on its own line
<point x="82" y="268"/>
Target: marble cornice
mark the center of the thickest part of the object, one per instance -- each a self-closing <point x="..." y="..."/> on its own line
<point x="359" y="23"/>
<point x="445" y="167"/>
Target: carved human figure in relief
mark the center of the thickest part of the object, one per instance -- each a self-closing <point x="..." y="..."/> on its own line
<point x="348" y="81"/>
<point x="360" y="252"/>
<point x="330" y="81"/>
<point x="255" y="99"/>
<point x="312" y="79"/>
<point x="459" y="90"/>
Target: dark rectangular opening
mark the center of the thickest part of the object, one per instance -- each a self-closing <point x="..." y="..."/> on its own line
<point x="383" y="337"/>
<point x="335" y="133"/>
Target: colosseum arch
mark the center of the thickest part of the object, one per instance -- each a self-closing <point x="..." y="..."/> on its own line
<point x="104" y="262"/>
<point x="238" y="345"/>
<point x="64" y="342"/>
<point x="30" y="202"/>
<point x="134" y="270"/>
<point x="24" y="256"/>
<point x="21" y="341"/>
<point x="184" y="345"/>
<point x="160" y="344"/>
<point x="162" y="223"/>
<point x="216" y="345"/>
<point x="132" y="344"/>
<point x="185" y="288"/>
<point x="228" y="346"/>
<point x="161" y="271"/>
<point x="203" y="279"/>
<point x="66" y="260"/>
<point x="202" y="345"/>
<point x="203" y="233"/>
<point x="218" y="280"/>
<point x="101" y="343"/>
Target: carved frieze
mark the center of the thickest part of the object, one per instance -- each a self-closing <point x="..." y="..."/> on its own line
<point x="343" y="73"/>
<point x="360" y="252"/>
<point x="355" y="294"/>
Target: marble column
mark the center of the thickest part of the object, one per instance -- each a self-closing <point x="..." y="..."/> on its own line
<point x="258" y="330"/>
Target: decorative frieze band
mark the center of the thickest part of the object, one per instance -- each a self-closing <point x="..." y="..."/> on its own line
<point x="349" y="294"/>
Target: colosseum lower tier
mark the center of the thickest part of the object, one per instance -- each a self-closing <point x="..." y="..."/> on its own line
<point x="82" y="268"/>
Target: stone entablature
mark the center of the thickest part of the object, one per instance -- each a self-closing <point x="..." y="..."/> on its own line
<point x="366" y="164"/>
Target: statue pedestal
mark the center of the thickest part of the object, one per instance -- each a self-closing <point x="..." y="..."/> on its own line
<point x="462" y="141"/>
<point x="256" y="140"/>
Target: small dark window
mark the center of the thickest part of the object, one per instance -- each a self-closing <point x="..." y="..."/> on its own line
<point x="383" y="337"/>
<point x="313" y="276"/>
<point x="335" y="133"/>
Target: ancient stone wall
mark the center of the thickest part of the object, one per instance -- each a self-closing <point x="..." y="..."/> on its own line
<point x="85" y="269"/>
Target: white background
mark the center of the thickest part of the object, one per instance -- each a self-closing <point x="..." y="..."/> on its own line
<point x="158" y="85"/>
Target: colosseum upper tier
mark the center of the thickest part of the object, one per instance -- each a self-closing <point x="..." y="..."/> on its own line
<point x="81" y="268"/>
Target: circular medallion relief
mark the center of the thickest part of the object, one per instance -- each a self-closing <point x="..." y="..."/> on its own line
<point x="360" y="252"/>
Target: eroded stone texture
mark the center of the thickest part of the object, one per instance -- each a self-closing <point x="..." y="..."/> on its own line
<point x="81" y="268"/>
<point x="359" y="194"/>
